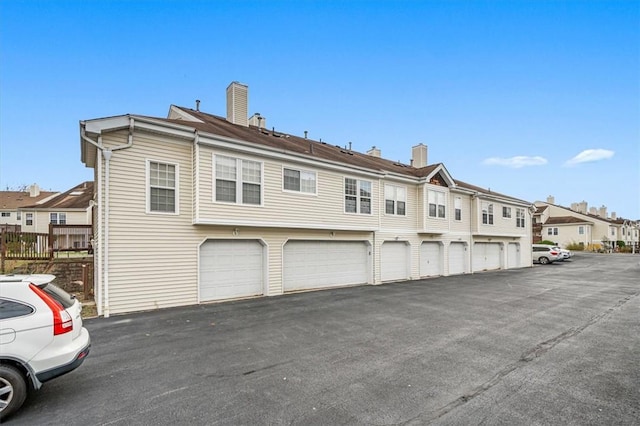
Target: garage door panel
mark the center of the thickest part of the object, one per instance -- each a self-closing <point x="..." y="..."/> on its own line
<point x="430" y="259"/>
<point x="320" y="264"/>
<point x="486" y="256"/>
<point x="394" y="261"/>
<point x="457" y="259"/>
<point x="231" y="269"/>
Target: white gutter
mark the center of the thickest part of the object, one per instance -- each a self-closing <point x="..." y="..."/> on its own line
<point x="107" y="153"/>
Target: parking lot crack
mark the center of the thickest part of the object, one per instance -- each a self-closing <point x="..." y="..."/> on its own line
<point x="528" y="356"/>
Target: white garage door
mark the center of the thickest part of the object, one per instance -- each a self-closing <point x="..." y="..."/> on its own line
<point x="457" y="258"/>
<point x="394" y="261"/>
<point x="430" y="259"/>
<point x="513" y="255"/>
<point x="321" y="264"/>
<point x="486" y="256"/>
<point x="230" y="269"/>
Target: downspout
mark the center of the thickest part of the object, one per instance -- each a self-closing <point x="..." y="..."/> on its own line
<point x="107" y="153"/>
<point x="474" y="200"/>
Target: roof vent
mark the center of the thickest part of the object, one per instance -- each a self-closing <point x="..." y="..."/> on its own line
<point x="374" y="152"/>
<point x="258" y="121"/>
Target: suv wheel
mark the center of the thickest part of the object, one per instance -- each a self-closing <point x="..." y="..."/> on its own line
<point x="543" y="260"/>
<point x="13" y="390"/>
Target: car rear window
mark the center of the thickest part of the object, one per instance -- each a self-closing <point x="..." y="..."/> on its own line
<point x="58" y="294"/>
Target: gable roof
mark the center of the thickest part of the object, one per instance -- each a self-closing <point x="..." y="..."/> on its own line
<point x="290" y="143"/>
<point x="216" y="126"/>
<point x="13" y="200"/>
<point x="540" y="209"/>
<point x="77" y="197"/>
<point x="565" y="220"/>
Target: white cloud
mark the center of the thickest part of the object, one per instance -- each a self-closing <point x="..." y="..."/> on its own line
<point x="516" y="162"/>
<point x="589" y="155"/>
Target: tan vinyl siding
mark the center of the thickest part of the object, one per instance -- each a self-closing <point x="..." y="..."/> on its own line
<point x="151" y="263"/>
<point x="282" y="208"/>
<point x="393" y="221"/>
<point x="463" y="225"/>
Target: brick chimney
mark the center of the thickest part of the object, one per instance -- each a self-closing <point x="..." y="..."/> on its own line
<point x="238" y="103"/>
<point x="419" y="156"/>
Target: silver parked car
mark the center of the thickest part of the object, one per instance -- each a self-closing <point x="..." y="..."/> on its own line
<point x="544" y="254"/>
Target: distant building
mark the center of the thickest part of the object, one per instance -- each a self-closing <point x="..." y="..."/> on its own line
<point x="12" y="201"/>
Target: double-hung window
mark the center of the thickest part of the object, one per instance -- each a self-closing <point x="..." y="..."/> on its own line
<point x="457" y="208"/>
<point x="357" y="196"/>
<point x="395" y="200"/>
<point x="580" y="230"/>
<point x="6" y="214"/>
<point x="238" y="181"/>
<point x="552" y="231"/>
<point x="162" y="187"/>
<point x="299" y="181"/>
<point x="29" y="219"/>
<point x="506" y="212"/>
<point x="58" y="218"/>
<point x="487" y="213"/>
<point x="436" y="201"/>
<point x="519" y="218"/>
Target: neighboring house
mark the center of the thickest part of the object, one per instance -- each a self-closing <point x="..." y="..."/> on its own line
<point x="73" y="207"/>
<point x="577" y="225"/>
<point x="11" y="202"/>
<point x="196" y="208"/>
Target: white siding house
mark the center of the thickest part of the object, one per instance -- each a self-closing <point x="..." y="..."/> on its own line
<point x="196" y="208"/>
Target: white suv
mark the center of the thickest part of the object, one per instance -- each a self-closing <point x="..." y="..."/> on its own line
<point x="41" y="336"/>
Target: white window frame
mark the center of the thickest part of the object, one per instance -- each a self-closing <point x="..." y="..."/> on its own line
<point x="396" y="194"/>
<point x="520" y="218"/>
<point x="580" y="230"/>
<point x="457" y="209"/>
<point x="438" y="199"/>
<point x="6" y="214"/>
<point x="552" y="231"/>
<point x="506" y="212"/>
<point x="358" y="196"/>
<point x="239" y="181"/>
<point x="28" y="217"/>
<point x="487" y="207"/>
<point x="176" y="188"/>
<point x="300" y="180"/>
<point x="57" y="218"/>
<point x="18" y="215"/>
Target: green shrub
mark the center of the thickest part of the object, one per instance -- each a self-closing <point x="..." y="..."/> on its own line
<point x="547" y="242"/>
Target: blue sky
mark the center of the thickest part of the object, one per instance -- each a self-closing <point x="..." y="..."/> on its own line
<point x="526" y="98"/>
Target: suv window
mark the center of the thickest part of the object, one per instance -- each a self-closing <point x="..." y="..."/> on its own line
<point x="58" y="294"/>
<point x="11" y="309"/>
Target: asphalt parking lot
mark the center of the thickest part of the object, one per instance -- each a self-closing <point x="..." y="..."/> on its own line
<point x="552" y="344"/>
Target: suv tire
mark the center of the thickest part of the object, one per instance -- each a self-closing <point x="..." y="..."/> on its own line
<point x="13" y="390"/>
<point x="543" y="260"/>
